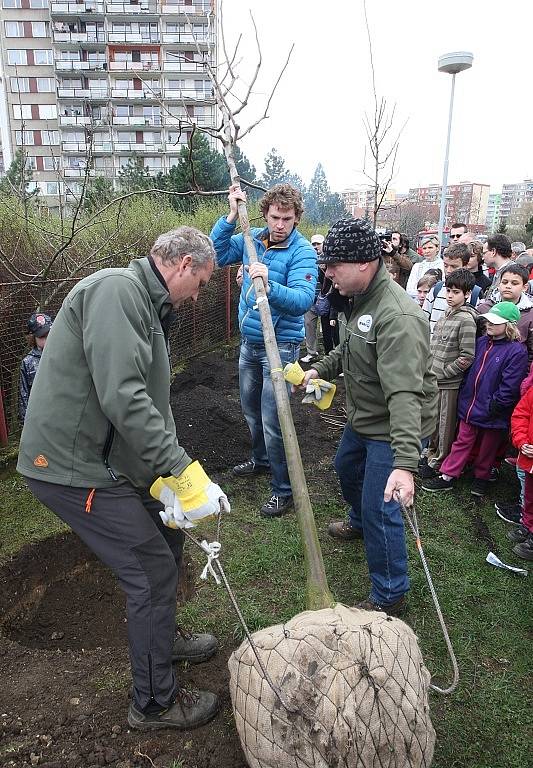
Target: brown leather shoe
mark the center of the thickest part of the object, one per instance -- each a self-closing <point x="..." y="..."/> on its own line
<point x="342" y="529"/>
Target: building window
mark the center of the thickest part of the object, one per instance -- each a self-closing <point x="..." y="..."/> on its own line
<point x="31" y="163"/>
<point x="22" y="111"/>
<point x="38" y="3"/>
<point x="43" y="56"/>
<point x="24" y="138"/>
<point x="14" y="28"/>
<point x="20" y="84"/>
<point x="11" y="4"/>
<point x="52" y="187"/>
<point x="49" y="164"/>
<point x="16" y="56"/>
<point x="50" y="138"/>
<point x="39" y="29"/>
<point x="47" y="111"/>
<point x="46" y="85"/>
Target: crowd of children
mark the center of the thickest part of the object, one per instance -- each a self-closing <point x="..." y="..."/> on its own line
<point x="482" y="345"/>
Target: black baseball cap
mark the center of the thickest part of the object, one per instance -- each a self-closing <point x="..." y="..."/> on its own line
<point x="39" y="324"/>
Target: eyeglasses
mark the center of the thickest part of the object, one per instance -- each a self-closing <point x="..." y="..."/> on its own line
<point x="457" y="236"/>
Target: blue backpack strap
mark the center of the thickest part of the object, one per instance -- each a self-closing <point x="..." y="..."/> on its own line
<point x="474" y="296"/>
<point x="437" y="288"/>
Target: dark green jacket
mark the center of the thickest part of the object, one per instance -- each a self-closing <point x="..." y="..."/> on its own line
<point x="99" y="409"/>
<point x="391" y="393"/>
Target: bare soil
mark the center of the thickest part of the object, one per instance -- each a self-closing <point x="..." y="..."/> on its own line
<point x="64" y="668"/>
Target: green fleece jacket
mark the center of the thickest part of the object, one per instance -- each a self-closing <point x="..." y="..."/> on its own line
<point x="391" y="393"/>
<point x="99" y="410"/>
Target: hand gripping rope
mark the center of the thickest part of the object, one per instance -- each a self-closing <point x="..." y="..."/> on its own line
<point x="213" y="551"/>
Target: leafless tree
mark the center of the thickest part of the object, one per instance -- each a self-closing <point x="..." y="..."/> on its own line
<point x="379" y="163"/>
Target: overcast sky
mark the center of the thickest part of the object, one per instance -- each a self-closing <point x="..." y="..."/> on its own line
<point x="317" y="112"/>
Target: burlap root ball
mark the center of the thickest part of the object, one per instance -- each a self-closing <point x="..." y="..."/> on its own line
<point x="357" y="681"/>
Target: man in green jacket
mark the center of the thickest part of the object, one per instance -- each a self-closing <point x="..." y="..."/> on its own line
<point x="391" y="403"/>
<point x="98" y="433"/>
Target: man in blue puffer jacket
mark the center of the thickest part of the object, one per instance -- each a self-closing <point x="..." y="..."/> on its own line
<point x="287" y="266"/>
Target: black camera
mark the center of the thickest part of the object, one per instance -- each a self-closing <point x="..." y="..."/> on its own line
<point x="386" y="236"/>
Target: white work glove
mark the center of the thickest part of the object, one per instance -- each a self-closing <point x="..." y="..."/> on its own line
<point x="193" y="496"/>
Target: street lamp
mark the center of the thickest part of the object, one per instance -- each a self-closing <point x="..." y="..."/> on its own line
<point x="451" y="63"/>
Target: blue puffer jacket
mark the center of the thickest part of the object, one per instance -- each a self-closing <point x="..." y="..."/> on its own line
<point x="491" y="388"/>
<point x="292" y="274"/>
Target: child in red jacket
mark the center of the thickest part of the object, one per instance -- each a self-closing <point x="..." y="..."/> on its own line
<point x="522" y="436"/>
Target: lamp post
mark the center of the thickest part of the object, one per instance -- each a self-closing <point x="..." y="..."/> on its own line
<point x="451" y="63"/>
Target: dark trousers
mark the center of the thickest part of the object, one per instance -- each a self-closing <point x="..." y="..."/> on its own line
<point x="330" y="334"/>
<point x="124" y="530"/>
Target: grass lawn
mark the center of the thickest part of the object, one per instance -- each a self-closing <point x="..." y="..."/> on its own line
<point x="484" y="723"/>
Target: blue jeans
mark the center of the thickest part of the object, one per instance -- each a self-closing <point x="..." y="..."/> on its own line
<point x="259" y="409"/>
<point x="363" y="466"/>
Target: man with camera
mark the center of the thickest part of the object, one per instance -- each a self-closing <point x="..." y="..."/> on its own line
<point x="392" y="256"/>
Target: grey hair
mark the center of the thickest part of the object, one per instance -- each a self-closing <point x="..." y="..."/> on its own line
<point x="518" y="247"/>
<point x="172" y="246"/>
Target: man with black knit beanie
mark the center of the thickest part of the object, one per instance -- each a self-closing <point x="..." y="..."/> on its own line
<point x="391" y="404"/>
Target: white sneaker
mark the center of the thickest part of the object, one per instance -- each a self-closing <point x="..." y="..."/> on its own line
<point x="309" y="357"/>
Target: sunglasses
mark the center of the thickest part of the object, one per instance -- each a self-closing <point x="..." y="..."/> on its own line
<point x="457" y="236"/>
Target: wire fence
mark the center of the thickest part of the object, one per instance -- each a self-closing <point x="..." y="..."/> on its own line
<point x="200" y="327"/>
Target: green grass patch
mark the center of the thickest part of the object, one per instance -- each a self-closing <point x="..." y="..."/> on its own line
<point x="485" y="723"/>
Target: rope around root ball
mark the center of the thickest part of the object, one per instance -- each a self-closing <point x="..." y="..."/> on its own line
<point x="213" y="550"/>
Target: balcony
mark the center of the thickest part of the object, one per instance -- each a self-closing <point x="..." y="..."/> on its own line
<point x="184" y="66"/>
<point x="66" y="37"/>
<point x="75" y="9"/>
<point x="186" y="120"/>
<point x="144" y="8"/>
<point x="137" y="66"/>
<point x="93" y="94"/>
<point x="148" y="94"/>
<point x="132" y="146"/>
<point x="74" y="146"/>
<point x="154" y="122"/>
<point x="190" y="10"/>
<point x="80" y="66"/>
<point x="134" y="37"/>
<point x="187" y="38"/>
<point x="65" y="120"/>
<point x="81" y="171"/>
<point x="177" y="94"/>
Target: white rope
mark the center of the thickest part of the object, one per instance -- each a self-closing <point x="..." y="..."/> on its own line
<point x="212" y="550"/>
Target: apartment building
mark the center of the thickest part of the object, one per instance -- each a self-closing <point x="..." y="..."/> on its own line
<point x="358" y="201"/>
<point x="492" y="222"/>
<point x="87" y="85"/>
<point x="466" y="202"/>
<point x="513" y="197"/>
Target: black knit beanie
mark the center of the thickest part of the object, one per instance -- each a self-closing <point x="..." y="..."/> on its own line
<point x="351" y="240"/>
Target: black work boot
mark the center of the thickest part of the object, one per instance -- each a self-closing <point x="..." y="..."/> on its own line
<point x="392" y="609"/>
<point x="194" y="648"/>
<point x="191" y="709"/>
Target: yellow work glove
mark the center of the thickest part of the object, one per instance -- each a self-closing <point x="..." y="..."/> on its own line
<point x="319" y="393"/>
<point x="193" y="498"/>
<point x="293" y="373"/>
